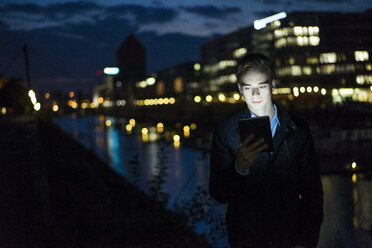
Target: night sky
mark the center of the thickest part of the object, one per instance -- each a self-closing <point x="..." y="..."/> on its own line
<point x="70" y="40"/>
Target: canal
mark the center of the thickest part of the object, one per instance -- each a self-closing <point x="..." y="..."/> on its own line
<point x="347" y="198"/>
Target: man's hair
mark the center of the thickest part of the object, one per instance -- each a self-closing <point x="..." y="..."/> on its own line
<point x="254" y="62"/>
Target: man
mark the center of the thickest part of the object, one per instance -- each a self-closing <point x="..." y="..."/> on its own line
<point x="274" y="199"/>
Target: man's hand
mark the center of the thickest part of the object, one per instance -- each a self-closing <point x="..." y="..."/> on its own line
<point x="248" y="154"/>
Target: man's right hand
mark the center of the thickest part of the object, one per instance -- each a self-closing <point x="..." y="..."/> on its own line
<point x="248" y="154"/>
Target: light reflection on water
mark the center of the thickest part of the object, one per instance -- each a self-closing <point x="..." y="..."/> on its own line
<point x="343" y="196"/>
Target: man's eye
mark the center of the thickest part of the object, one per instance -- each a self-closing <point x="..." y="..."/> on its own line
<point x="247" y="88"/>
<point x="263" y="86"/>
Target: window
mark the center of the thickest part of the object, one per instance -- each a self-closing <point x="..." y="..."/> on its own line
<point x="364" y="79"/>
<point x="361" y="55"/>
<point x="326" y="58"/>
<point x="327" y="69"/>
<point x="312" y="60"/>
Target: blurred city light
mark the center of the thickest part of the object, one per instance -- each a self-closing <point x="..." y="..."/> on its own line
<point x="71" y="94"/>
<point x="176" y="137"/>
<point x="193" y="126"/>
<point x="150" y="81"/>
<point x="160" y="127"/>
<point x="323" y="91"/>
<point x="353" y="165"/>
<point x="128" y="128"/>
<point x="132" y="122"/>
<point x="172" y="100"/>
<point x="55" y="108"/>
<point x="3" y="111"/>
<point x="186" y="129"/>
<point x="37" y="106"/>
<point x="221" y="97"/>
<point x="197" y="67"/>
<point x="47" y="95"/>
<point x="236" y="96"/>
<point x="32" y="96"/>
<point x="354" y="178"/>
<point x="108" y="123"/>
<point x="208" y="98"/>
<point x="144" y="131"/>
<point x="197" y="99"/>
<point x="261" y="23"/>
<point x="111" y="70"/>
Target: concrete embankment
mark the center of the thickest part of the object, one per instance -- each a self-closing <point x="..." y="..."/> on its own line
<point x="55" y="193"/>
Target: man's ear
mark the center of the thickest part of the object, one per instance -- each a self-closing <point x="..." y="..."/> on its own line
<point x="273" y="85"/>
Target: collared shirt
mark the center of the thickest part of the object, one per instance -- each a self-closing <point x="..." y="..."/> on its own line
<point x="274" y="123"/>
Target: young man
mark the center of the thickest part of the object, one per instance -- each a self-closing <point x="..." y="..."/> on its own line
<point x="274" y="199"/>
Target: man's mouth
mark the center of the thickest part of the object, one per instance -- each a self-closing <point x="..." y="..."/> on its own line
<point x="255" y="102"/>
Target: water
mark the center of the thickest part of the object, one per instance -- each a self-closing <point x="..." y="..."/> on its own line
<point x="347" y="199"/>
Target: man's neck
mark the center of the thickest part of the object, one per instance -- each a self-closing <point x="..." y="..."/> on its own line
<point x="270" y="111"/>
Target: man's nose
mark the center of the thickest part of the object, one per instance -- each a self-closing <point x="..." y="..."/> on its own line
<point x="255" y="91"/>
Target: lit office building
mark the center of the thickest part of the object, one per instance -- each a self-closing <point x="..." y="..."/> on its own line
<point x="131" y="60"/>
<point x="313" y="53"/>
<point x="219" y="58"/>
<point x="180" y="79"/>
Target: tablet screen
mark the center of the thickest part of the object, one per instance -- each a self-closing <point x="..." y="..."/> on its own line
<point x="260" y="127"/>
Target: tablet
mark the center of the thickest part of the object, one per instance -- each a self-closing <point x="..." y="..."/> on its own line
<point x="260" y="127"/>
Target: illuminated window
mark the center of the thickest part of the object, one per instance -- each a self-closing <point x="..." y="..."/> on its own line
<point x="298" y="30"/>
<point x="327" y="69"/>
<point x="313" y="30"/>
<point x="178" y="85"/>
<point x="328" y="58"/>
<point x="219" y="66"/>
<point x="291" y="61"/>
<point x="282" y="42"/>
<point x="278" y="33"/>
<point x="276" y="23"/>
<point x="364" y="79"/>
<point x="302" y="41"/>
<point x="312" y="60"/>
<point x="240" y="52"/>
<point x="307" y="70"/>
<point x="314" y="40"/>
<point x="160" y="88"/>
<point x="361" y="55"/>
<point x="368" y="67"/>
<point x="295" y="70"/>
<point x="224" y="79"/>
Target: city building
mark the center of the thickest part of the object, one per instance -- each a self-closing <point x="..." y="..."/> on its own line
<point x="219" y="58"/>
<point x="315" y="54"/>
<point x="131" y="60"/>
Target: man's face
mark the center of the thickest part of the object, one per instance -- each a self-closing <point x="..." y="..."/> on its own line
<point x="256" y="89"/>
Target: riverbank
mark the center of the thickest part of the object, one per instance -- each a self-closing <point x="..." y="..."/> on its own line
<point x="55" y="193"/>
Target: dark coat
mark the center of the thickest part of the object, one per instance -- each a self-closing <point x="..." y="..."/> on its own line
<point x="281" y="200"/>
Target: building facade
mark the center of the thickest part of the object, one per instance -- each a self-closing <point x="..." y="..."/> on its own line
<point x="313" y="53"/>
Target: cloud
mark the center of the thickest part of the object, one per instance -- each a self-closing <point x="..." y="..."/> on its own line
<point x="262" y="14"/>
<point x="212" y="11"/>
<point x="32" y="16"/>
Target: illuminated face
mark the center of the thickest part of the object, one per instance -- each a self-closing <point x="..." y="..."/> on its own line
<point x="256" y="89"/>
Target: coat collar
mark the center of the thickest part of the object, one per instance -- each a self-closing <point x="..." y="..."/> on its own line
<point x="285" y="119"/>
